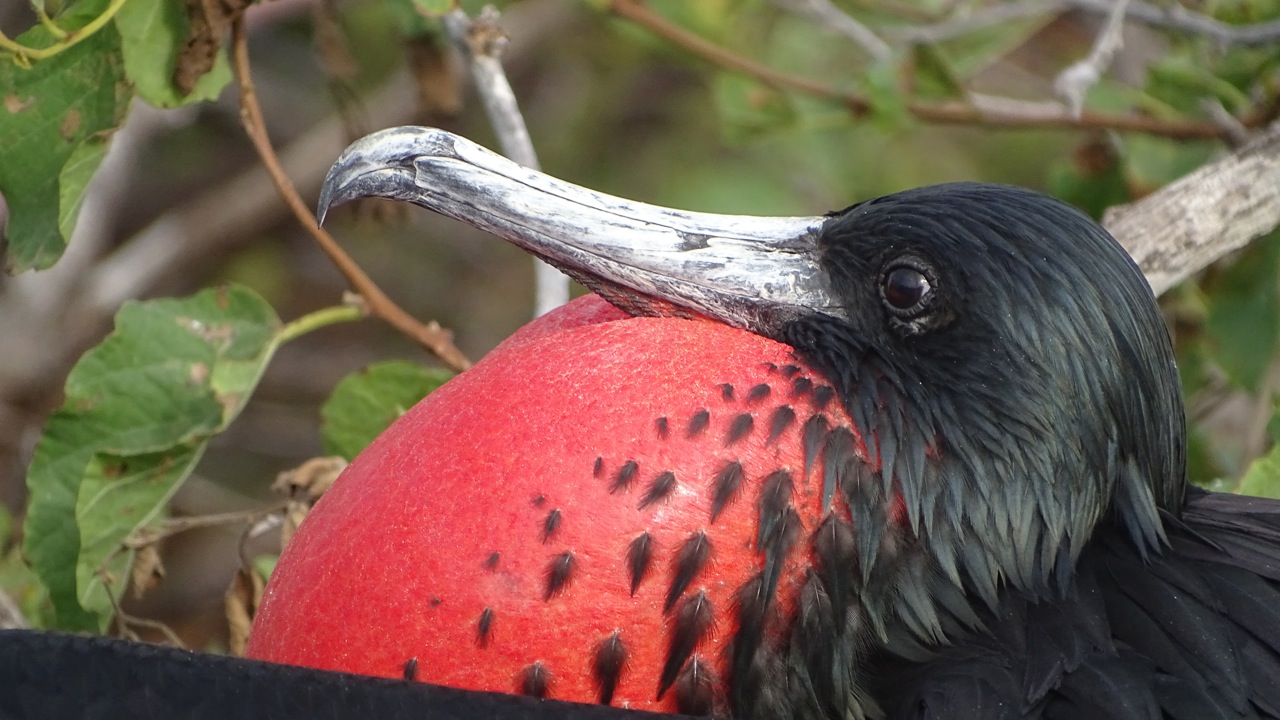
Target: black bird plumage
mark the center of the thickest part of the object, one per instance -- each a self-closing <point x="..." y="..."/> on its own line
<point x="1037" y="392"/>
<point x="1015" y="387"/>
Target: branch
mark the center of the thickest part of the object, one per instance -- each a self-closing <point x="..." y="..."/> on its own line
<point x="827" y="15"/>
<point x="945" y="113"/>
<point x="482" y="43"/>
<point x="1221" y="207"/>
<point x="23" y="55"/>
<point x="1074" y="82"/>
<point x="11" y="617"/>
<point x="980" y="20"/>
<point x="431" y="336"/>
<point x="1179" y="18"/>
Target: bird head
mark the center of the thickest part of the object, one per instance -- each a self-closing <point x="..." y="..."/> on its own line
<point x="1005" y="386"/>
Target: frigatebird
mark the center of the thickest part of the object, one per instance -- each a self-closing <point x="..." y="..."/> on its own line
<point x="990" y="516"/>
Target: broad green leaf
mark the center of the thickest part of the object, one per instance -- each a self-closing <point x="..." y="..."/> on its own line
<point x="152" y="33"/>
<point x="139" y="409"/>
<point x="50" y="112"/>
<point x="1263" y="476"/>
<point x="73" y="182"/>
<point x="1243" y="324"/>
<point x="366" y="402"/>
<point x="119" y="494"/>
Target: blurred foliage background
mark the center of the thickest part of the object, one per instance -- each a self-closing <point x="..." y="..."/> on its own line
<point x="663" y="101"/>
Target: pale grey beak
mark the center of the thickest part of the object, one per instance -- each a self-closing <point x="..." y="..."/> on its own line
<point x="750" y="272"/>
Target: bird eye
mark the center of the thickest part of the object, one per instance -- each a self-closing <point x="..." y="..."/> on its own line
<point x="906" y="289"/>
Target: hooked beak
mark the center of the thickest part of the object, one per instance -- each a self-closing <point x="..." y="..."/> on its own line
<point x="754" y="273"/>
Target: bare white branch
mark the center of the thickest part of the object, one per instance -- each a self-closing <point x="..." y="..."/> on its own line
<point x="981" y="20"/>
<point x="1175" y="17"/>
<point x="827" y="15"/>
<point x="1221" y="207"/>
<point x="482" y="42"/>
<point x="1074" y="82"/>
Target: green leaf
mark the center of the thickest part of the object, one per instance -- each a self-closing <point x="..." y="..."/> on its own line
<point x="74" y="179"/>
<point x="366" y="402"/>
<point x="434" y="8"/>
<point x="1153" y="162"/>
<point x="409" y="21"/>
<point x="152" y="34"/>
<point x="50" y="113"/>
<point x="1263" y="476"/>
<point x="884" y="91"/>
<point x="934" y="76"/>
<point x="264" y="565"/>
<point x="118" y="495"/>
<point x="1243" y="323"/>
<point x="749" y="108"/>
<point x="139" y="409"/>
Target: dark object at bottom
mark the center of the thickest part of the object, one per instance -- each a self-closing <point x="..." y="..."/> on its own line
<point x="50" y="676"/>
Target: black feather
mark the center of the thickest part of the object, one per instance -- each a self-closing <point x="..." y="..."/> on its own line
<point x="693" y="622"/>
<point x="484" y="628"/>
<point x="698" y="423"/>
<point x="535" y="680"/>
<point x="759" y="392"/>
<point x="606" y="669"/>
<point x="782" y="418"/>
<point x="626" y="475"/>
<point x="658" y="490"/>
<point x="559" y="574"/>
<point x="695" y="688"/>
<point x="813" y="435"/>
<point x="551" y="524"/>
<point x="689" y="562"/>
<point x="726" y="487"/>
<point x="639" y="559"/>
<point x="739" y="428"/>
<point x="663" y="426"/>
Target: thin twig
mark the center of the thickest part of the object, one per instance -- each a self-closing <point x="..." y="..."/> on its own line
<point x="11" y="617"/>
<point x="482" y="42"/>
<point x="431" y="336"/>
<point x="178" y="525"/>
<point x="944" y="113"/>
<point x="24" y="55"/>
<point x="975" y="21"/>
<point x="827" y="15"/>
<point x="124" y="621"/>
<point x="1176" y="17"/>
<point x="1073" y="83"/>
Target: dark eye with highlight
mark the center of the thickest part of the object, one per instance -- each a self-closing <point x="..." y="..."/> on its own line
<point x="906" y="289"/>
